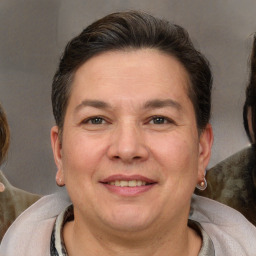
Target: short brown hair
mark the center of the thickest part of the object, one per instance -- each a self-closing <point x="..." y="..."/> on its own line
<point x="134" y="30"/>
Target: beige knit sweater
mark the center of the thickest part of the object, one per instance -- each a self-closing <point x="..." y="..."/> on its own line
<point x="13" y="202"/>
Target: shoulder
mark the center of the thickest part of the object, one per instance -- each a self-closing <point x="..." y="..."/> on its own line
<point x="25" y="235"/>
<point x="229" y="174"/>
<point x="230" y="231"/>
<point x="231" y="182"/>
<point x="13" y="202"/>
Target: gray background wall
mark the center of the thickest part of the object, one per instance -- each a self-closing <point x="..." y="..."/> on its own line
<point x="34" y="33"/>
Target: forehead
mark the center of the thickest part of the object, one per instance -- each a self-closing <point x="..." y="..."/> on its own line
<point x="131" y="71"/>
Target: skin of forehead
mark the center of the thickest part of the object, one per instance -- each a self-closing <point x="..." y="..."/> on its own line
<point x="187" y="82"/>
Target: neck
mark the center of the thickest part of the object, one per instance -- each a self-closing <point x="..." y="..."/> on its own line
<point x="175" y="240"/>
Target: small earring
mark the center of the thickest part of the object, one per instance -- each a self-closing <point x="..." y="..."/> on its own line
<point x="59" y="182"/>
<point x="202" y="185"/>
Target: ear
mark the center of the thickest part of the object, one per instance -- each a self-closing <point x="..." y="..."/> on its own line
<point x="205" y="145"/>
<point x="57" y="153"/>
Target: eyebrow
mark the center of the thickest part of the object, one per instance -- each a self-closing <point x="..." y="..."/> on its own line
<point x="151" y="104"/>
<point x="93" y="103"/>
<point x="162" y="103"/>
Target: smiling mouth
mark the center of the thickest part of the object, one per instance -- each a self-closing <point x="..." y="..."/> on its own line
<point x="130" y="183"/>
<point x="128" y="186"/>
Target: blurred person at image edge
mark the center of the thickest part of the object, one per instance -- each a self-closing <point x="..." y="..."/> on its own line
<point x="13" y="201"/>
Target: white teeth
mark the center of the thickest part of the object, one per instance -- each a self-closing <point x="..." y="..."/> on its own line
<point x="139" y="183"/>
<point x="125" y="183"/>
<point x="132" y="183"/>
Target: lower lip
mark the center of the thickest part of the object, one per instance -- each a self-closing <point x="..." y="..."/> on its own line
<point x="128" y="191"/>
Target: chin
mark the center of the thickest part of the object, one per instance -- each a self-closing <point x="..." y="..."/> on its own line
<point x="129" y="226"/>
<point x="130" y="220"/>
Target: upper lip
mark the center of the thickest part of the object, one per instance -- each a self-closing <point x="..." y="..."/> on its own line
<point x="127" y="178"/>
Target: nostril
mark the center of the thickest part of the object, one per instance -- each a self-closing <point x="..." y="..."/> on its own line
<point x="127" y="149"/>
<point x="127" y="158"/>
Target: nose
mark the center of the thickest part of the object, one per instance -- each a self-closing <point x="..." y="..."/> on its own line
<point x="128" y="144"/>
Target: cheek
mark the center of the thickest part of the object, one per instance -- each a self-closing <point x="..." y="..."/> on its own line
<point x="80" y="160"/>
<point x="81" y="155"/>
<point x="178" y="158"/>
<point x="175" y="150"/>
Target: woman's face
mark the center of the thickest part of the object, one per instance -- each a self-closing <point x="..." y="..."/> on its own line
<point x="130" y="154"/>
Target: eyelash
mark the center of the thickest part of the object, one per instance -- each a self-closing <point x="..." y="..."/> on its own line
<point x="165" y="119"/>
<point x="157" y="120"/>
<point x="90" y="120"/>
